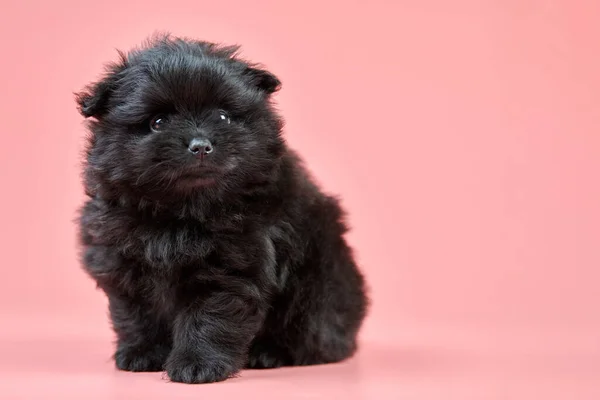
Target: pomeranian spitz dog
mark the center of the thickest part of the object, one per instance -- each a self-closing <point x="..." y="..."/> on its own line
<point x="215" y="248"/>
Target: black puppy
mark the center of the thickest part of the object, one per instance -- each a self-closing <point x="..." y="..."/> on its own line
<point x="215" y="248"/>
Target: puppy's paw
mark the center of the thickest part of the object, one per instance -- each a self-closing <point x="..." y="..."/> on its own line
<point x="134" y="360"/>
<point x="262" y="357"/>
<point x="187" y="369"/>
<point x="264" y="361"/>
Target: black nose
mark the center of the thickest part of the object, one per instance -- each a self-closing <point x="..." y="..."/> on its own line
<point x="200" y="147"/>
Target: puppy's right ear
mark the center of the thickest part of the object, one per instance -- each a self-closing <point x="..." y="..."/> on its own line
<point x="93" y="100"/>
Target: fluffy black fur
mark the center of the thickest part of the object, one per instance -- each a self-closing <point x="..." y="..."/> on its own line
<point x="215" y="261"/>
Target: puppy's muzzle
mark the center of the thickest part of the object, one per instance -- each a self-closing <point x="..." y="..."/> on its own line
<point x="200" y="147"/>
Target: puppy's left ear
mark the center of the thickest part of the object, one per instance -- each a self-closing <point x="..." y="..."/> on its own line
<point x="93" y="100"/>
<point x="263" y="79"/>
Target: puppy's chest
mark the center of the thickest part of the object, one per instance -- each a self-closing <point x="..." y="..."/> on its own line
<point x="167" y="261"/>
<point x="171" y="261"/>
<point x="160" y="243"/>
<point x="170" y="246"/>
<point x="163" y="291"/>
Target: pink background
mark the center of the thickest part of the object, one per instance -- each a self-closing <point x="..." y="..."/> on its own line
<point x="463" y="137"/>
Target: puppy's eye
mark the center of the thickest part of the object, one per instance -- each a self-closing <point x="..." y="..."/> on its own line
<point x="223" y="116"/>
<point x="158" y="122"/>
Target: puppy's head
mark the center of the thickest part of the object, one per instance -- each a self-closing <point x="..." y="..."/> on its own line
<point x="179" y="115"/>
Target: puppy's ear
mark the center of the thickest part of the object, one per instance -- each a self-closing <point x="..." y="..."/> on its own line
<point x="263" y="79"/>
<point x="93" y="100"/>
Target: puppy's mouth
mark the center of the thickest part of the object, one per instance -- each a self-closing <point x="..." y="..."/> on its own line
<point x="198" y="175"/>
<point x="199" y="172"/>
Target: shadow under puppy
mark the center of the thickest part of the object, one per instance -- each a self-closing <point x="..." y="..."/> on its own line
<point x="215" y="248"/>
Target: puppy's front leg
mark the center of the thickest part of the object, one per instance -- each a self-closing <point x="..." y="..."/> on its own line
<point x="143" y="342"/>
<point x="211" y="338"/>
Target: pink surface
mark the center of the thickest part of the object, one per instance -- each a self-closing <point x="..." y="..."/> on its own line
<point x="463" y="137"/>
